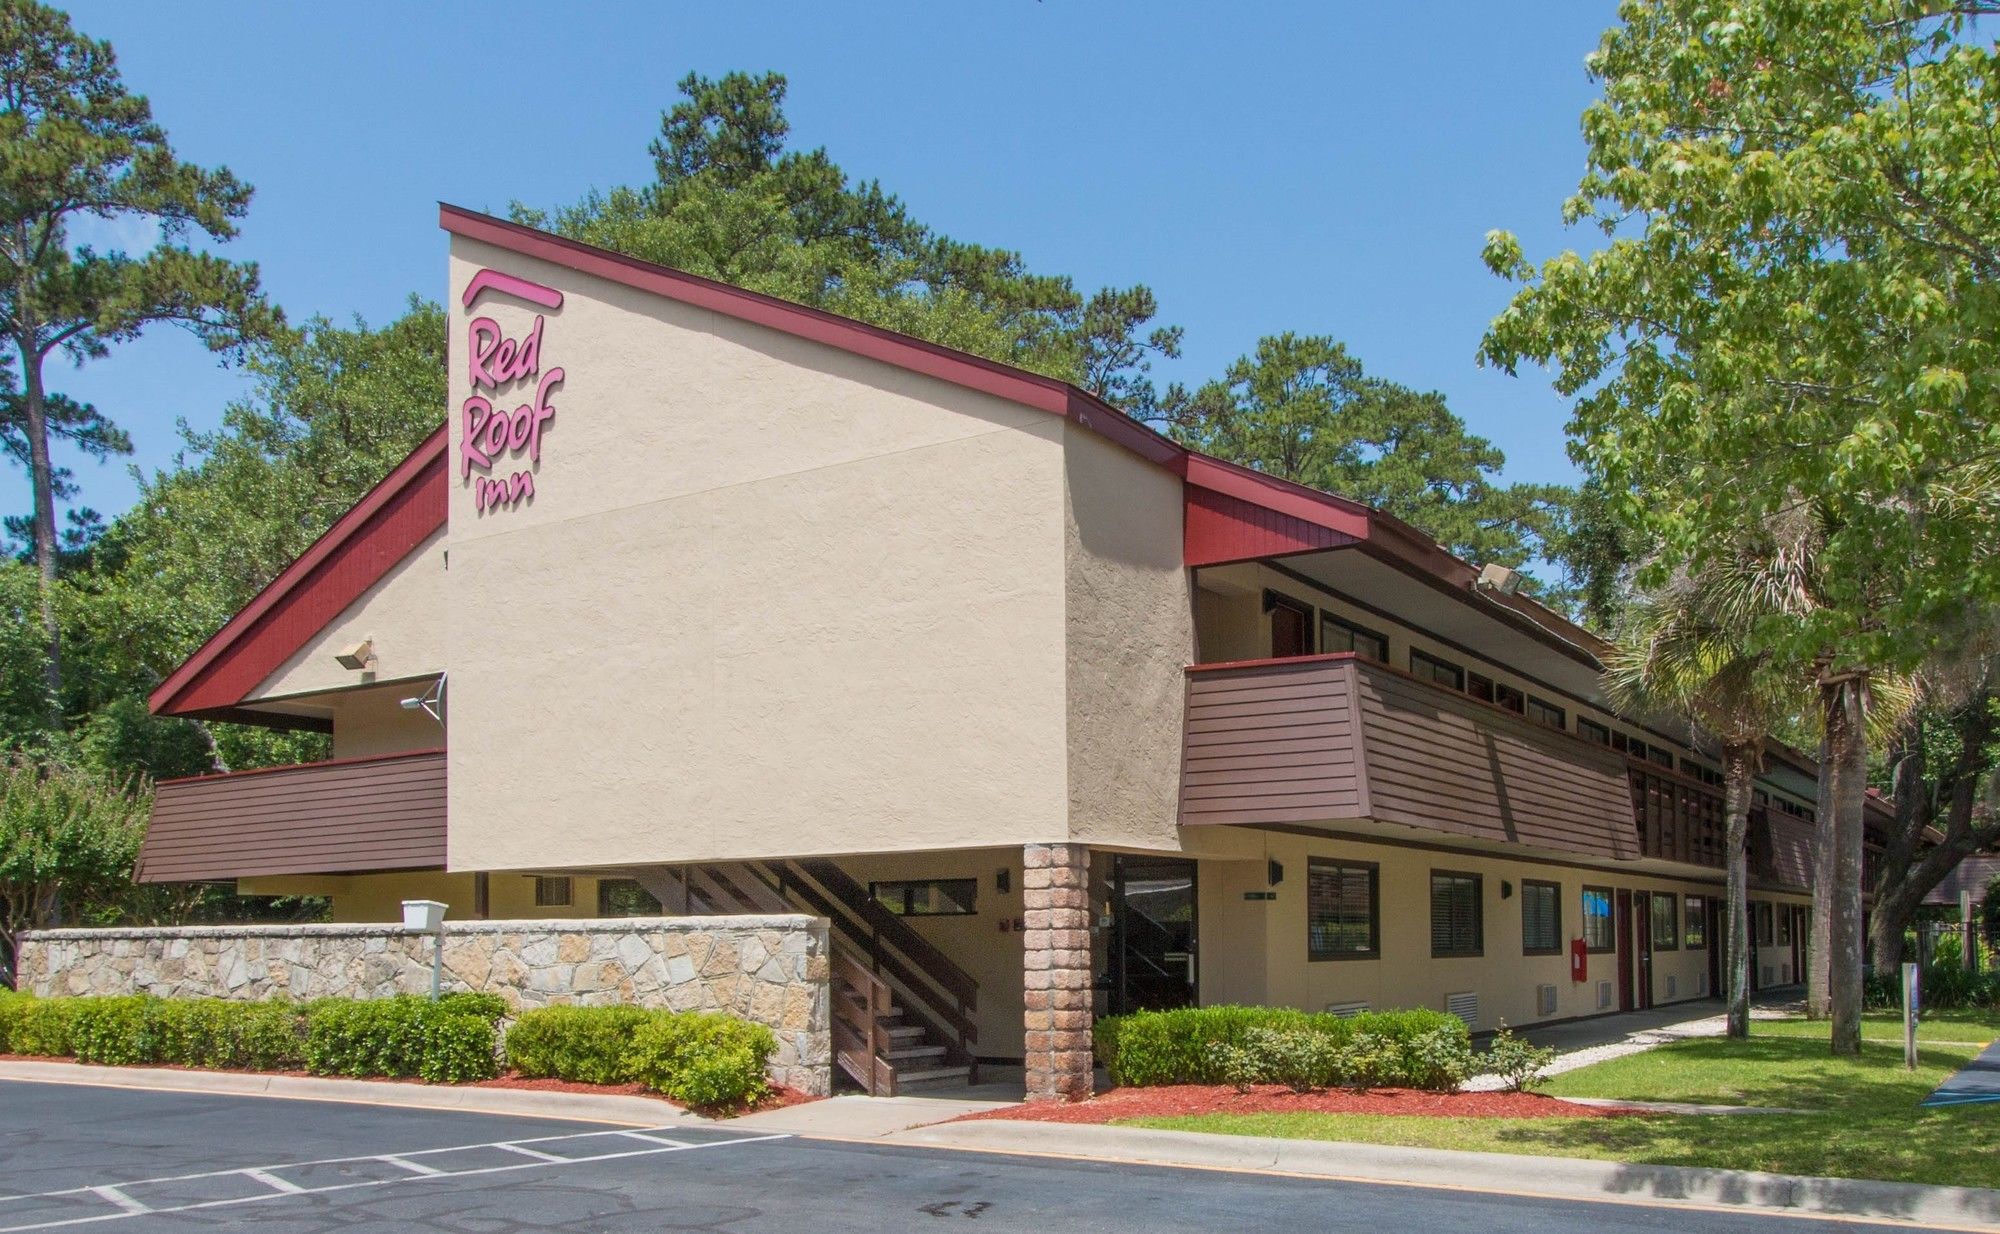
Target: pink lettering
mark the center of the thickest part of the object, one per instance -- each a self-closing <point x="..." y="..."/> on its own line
<point x="477" y="412"/>
<point x="482" y="337"/>
<point x="492" y="494"/>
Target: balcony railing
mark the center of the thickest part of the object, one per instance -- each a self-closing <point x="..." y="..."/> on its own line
<point x="337" y="817"/>
<point x="1317" y="739"/>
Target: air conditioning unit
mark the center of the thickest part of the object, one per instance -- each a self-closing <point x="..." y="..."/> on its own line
<point x="1465" y="1006"/>
<point x="1545" y="1000"/>
<point x="1673" y="986"/>
<point x="1345" y="1010"/>
<point x="1604" y="996"/>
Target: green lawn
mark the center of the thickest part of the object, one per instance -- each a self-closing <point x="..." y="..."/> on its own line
<point x="1865" y="1121"/>
<point x="1975" y="1026"/>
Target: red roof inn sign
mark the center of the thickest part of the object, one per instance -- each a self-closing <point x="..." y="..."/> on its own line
<point x="497" y="363"/>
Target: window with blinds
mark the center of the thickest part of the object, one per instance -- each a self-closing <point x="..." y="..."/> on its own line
<point x="1456" y="925"/>
<point x="1541" y="918"/>
<point x="1599" y="932"/>
<point x="552" y="891"/>
<point x="1695" y="932"/>
<point x="1342" y="921"/>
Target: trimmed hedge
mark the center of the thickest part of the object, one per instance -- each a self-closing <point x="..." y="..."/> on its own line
<point x="1236" y="1045"/>
<point x="1940" y="987"/>
<point x="702" y="1059"/>
<point x="706" y="1060"/>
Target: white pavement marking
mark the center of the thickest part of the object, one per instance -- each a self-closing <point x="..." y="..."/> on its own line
<point x="274" y="1182"/>
<point x="129" y="1207"/>
<point x="413" y="1167"/>
<point x="528" y="1152"/>
<point x="655" y="1139"/>
<point x="113" y="1195"/>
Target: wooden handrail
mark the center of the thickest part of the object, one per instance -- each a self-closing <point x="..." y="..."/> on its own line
<point x="894" y="931"/>
<point x="859" y="1002"/>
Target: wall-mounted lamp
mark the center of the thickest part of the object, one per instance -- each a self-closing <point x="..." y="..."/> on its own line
<point x="1506" y="890"/>
<point x="1003" y="880"/>
<point x="1495" y="577"/>
<point x="1274" y="872"/>
<point x="359" y="656"/>
<point x="430" y="702"/>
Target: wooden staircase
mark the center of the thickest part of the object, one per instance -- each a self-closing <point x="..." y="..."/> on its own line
<point x="902" y="1012"/>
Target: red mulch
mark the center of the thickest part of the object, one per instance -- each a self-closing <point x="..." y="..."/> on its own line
<point x="1172" y="1100"/>
<point x="778" y="1098"/>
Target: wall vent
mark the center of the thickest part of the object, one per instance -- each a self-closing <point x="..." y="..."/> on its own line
<point x="1465" y="1006"/>
<point x="1344" y="1010"/>
<point x="1604" y="996"/>
<point x="1673" y="986"/>
<point x="1545" y="1000"/>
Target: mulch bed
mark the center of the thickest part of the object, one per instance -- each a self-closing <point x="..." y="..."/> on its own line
<point x="778" y="1098"/>
<point x="1173" y="1100"/>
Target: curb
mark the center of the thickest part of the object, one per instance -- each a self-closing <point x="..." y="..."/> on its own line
<point x="468" y="1099"/>
<point x="1570" y="1178"/>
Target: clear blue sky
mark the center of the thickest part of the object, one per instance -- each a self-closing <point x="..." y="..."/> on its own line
<point x="1326" y="168"/>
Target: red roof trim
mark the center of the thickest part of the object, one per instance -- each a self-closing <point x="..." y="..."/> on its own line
<point x="356" y="552"/>
<point x="958" y="367"/>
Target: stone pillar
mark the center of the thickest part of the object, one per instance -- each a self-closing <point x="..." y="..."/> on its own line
<point x="1057" y="977"/>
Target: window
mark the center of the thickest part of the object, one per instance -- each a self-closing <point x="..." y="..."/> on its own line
<point x="1291" y="625"/>
<point x="1338" y="635"/>
<point x="623" y="897"/>
<point x="1430" y="668"/>
<point x="1591" y="730"/>
<point x="1761" y="915"/>
<point x="1457" y="912"/>
<point x="1666" y="921"/>
<point x="1623" y="744"/>
<point x="1599" y="934"/>
<point x="1663" y="757"/>
<point x="552" y="892"/>
<point x="1784" y="925"/>
<point x="1547" y="713"/>
<point x="1342" y="920"/>
<point x="1479" y="687"/>
<point x="1541" y="918"/>
<point x="926" y="897"/>
<point x="1696" y="930"/>
<point x="1513" y="700"/>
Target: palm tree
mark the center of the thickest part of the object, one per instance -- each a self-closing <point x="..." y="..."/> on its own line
<point x="1684" y="650"/>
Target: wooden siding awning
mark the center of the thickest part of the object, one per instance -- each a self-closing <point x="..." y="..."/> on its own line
<point x="338" y="817"/>
<point x="1319" y="739"/>
<point x="1973" y="874"/>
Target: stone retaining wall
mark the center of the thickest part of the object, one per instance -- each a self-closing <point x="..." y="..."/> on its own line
<point x="771" y="969"/>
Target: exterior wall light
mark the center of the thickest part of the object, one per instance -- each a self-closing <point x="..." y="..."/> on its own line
<point x="359" y="656"/>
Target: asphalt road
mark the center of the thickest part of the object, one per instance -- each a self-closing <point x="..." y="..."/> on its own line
<point x="81" y="1158"/>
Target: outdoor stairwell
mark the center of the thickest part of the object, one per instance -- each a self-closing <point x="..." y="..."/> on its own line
<point x="901" y="1010"/>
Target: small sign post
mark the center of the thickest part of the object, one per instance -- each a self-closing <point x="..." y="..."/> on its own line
<point x="428" y="916"/>
<point x="1910" y="993"/>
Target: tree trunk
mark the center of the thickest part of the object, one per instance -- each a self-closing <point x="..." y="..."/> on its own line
<point x="1738" y="770"/>
<point x="41" y="475"/>
<point x="1818" y="1004"/>
<point x="1847" y="743"/>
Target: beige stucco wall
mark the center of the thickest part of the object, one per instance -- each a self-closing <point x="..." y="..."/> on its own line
<point x="769" y="598"/>
<point x="404" y="615"/>
<point x="1129" y="637"/>
<point x="1256" y="951"/>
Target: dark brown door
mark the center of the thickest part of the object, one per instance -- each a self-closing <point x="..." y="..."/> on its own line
<point x="1717" y="945"/>
<point x="1291" y="631"/>
<point x="1799" y="942"/>
<point x="1624" y="951"/>
<point x="1642" y="922"/>
<point x="1750" y="924"/>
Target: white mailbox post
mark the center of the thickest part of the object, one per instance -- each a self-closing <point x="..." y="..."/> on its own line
<point x="427" y="916"/>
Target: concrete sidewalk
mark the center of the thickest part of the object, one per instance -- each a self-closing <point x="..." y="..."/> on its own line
<point x="1579" y="1043"/>
<point x="1968" y="1208"/>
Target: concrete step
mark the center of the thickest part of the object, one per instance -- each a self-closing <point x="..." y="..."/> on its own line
<point x="912" y="1053"/>
<point x="934" y="1077"/>
<point x="903" y="1034"/>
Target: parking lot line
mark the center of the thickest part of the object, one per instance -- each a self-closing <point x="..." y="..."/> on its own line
<point x="280" y="1188"/>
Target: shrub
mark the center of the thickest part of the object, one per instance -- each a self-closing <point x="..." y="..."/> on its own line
<point x="117" y="1032"/>
<point x="269" y="1035"/>
<point x="12" y="1006"/>
<point x="583" y="1044"/>
<point x="43" y="1027"/>
<point x="1301" y="1059"/>
<point x="1940" y="987"/>
<point x="1517" y="1061"/>
<point x="489" y="1007"/>
<point x="704" y="1060"/>
<point x="401" y="1036"/>
<point x="1416" y="1048"/>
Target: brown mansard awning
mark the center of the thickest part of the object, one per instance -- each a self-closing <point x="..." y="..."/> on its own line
<point x="337" y="817"/>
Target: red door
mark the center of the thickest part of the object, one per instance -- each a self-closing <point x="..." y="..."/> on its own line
<point x="1624" y="951"/>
